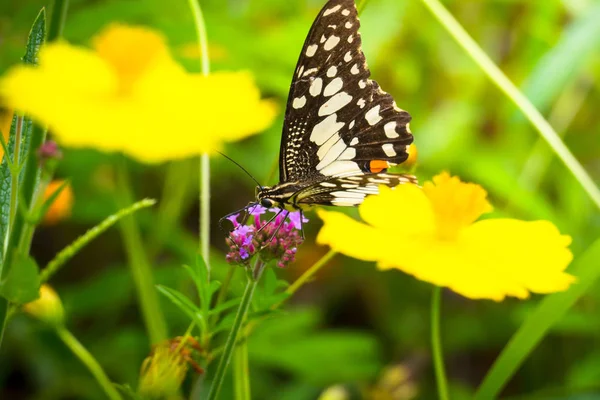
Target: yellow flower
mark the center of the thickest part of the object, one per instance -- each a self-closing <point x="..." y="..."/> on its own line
<point x="61" y="207"/>
<point x="129" y="95"/>
<point x="6" y="117"/>
<point x="431" y="233"/>
<point x="47" y="308"/>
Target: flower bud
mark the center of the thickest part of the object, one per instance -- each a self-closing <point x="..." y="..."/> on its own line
<point x="47" y="308"/>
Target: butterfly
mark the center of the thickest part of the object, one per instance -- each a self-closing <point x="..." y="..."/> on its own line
<point x="341" y="131"/>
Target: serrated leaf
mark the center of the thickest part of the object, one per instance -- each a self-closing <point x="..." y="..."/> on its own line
<point x="37" y="36"/>
<point x="34" y="43"/>
<point x="184" y="304"/>
<point x="22" y="284"/>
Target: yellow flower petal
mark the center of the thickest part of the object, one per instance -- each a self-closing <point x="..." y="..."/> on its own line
<point x="488" y="259"/>
<point x="130" y="96"/>
<point x="62" y="205"/>
<point x="407" y="205"/>
<point x="457" y="204"/>
<point x="350" y="237"/>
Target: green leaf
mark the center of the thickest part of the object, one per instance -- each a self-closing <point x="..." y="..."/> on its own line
<point x="225" y="306"/>
<point x="22" y="283"/>
<point x="184" y="304"/>
<point x="580" y="41"/>
<point x="549" y="312"/>
<point x="34" y="42"/>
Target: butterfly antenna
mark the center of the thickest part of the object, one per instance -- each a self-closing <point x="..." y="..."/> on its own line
<point x="242" y="168"/>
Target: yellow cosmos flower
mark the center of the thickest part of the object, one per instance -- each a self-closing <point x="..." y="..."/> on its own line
<point x="432" y="234"/>
<point x="129" y="95"/>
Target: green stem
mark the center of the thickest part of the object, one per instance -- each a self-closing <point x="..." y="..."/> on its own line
<point x="139" y="264"/>
<point x="14" y="174"/>
<point x="172" y="204"/>
<point x="512" y="92"/>
<point x="309" y="273"/>
<point x="89" y="361"/>
<point x="204" y="158"/>
<point x="57" y="22"/>
<point x="436" y="345"/>
<point x="68" y="252"/>
<point x="361" y="6"/>
<point x="233" y="334"/>
<point x="241" y="373"/>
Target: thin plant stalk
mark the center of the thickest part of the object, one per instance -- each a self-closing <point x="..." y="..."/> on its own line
<point x="204" y="158"/>
<point x="436" y="345"/>
<point x="546" y="131"/>
<point x="241" y="373"/>
<point x="68" y="252"/>
<point x="58" y="18"/>
<point x="309" y="273"/>
<point x="89" y="361"/>
<point x="253" y="278"/>
<point x="14" y="175"/>
<point x="139" y="264"/>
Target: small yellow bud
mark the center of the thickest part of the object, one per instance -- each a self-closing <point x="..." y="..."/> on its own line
<point x="47" y="308"/>
<point x="336" y="392"/>
<point x="165" y="368"/>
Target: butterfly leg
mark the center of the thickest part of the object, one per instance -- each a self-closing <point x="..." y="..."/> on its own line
<point x="301" y="223"/>
<point x="278" y="227"/>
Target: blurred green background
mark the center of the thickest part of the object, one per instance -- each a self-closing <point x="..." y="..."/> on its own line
<point x="354" y="322"/>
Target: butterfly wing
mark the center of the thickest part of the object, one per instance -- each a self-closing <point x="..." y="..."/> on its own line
<point x="338" y="122"/>
<point x="350" y="190"/>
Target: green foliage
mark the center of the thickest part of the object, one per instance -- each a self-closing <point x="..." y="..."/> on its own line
<point x="351" y="321"/>
<point x="22" y="284"/>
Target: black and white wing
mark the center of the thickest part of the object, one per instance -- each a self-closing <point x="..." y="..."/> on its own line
<point x="338" y="122"/>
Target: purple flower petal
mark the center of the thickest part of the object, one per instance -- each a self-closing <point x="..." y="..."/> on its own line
<point x="295" y="219"/>
<point x="257" y="209"/>
<point x="233" y="218"/>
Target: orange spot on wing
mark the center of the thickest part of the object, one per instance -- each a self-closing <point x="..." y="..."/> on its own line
<point x="378" y="165"/>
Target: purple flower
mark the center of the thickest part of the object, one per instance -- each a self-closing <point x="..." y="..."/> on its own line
<point x="257" y="209"/>
<point x="276" y="240"/>
<point x="233" y="218"/>
<point x="297" y="218"/>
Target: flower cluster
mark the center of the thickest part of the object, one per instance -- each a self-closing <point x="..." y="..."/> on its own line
<point x="271" y="238"/>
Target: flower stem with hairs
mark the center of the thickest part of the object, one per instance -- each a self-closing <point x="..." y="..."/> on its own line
<point x="253" y="278"/>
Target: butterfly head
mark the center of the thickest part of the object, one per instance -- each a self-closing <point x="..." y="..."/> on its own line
<point x="279" y="196"/>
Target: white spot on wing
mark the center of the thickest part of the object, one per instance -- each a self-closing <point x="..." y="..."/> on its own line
<point x="299" y="102"/>
<point x="354" y="70"/>
<point x="348" y="154"/>
<point x="388" y="149"/>
<point x="362" y="84"/>
<point x="323" y="38"/>
<point x="360" y="103"/>
<point x="350" y="39"/>
<point x="325" y="129"/>
<point x="348" y="56"/>
<point x="335" y="103"/>
<point x="348" y="195"/>
<point x="309" y="71"/>
<point x="331" y="10"/>
<point x="328" y="184"/>
<point x="351" y="124"/>
<point x="354" y="141"/>
<point x="372" y="116"/>
<point x="346" y="12"/>
<point x="408" y="128"/>
<point x="334" y="152"/>
<point x="315" y="87"/>
<point x="349" y="185"/>
<point x="300" y="70"/>
<point x="333" y="87"/>
<point x="311" y="50"/>
<point x="342" y="168"/>
<point x="324" y="149"/>
<point x="348" y="25"/>
<point x="390" y="130"/>
<point x="332" y="71"/>
<point x="331" y="42"/>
